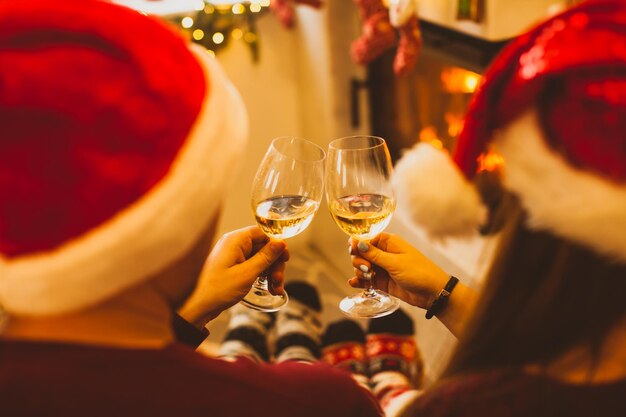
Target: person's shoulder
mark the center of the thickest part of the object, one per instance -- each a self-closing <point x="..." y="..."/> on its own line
<point x="304" y="389"/>
<point x="312" y="371"/>
<point x="320" y="383"/>
<point x="171" y="381"/>
<point x="513" y="393"/>
<point x="484" y="394"/>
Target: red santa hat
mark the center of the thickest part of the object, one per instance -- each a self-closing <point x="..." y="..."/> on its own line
<point x="553" y="105"/>
<point x="117" y="141"/>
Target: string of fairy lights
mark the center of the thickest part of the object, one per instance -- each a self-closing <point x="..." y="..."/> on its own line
<point x="217" y="22"/>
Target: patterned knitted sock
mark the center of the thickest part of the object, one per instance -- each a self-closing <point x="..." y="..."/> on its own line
<point x="395" y="364"/>
<point x="343" y="346"/>
<point x="247" y="334"/>
<point x="298" y="325"/>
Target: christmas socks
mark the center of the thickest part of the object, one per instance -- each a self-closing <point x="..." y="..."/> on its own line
<point x="395" y="366"/>
<point x="386" y="361"/>
<point x="298" y="325"/>
<point x="343" y="346"/>
<point x="247" y="334"/>
<point x="297" y="329"/>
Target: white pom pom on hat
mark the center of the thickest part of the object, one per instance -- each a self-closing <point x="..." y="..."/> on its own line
<point x="435" y="194"/>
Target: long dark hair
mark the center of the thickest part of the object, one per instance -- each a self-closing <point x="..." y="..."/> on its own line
<point x="543" y="296"/>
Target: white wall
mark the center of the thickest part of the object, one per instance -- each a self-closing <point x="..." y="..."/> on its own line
<point x="503" y="18"/>
<point x="270" y="89"/>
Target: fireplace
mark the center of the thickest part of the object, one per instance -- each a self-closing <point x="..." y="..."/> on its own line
<point x="429" y="103"/>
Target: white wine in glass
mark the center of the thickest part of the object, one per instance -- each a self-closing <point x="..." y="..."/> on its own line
<point x="286" y="193"/>
<point x="283" y="217"/>
<point x="362" y="216"/>
<point x="361" y="201"/>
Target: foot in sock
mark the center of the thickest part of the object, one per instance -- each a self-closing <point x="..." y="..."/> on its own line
<point x="343" y="347"/>
<point x="395" y="365"/>
<point x="298" y="325"/>
<point x="247" y="334"/>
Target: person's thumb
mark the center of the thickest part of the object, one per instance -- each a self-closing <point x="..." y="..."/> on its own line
<point x="266" y="256"/>
<point x="375" y="255"/>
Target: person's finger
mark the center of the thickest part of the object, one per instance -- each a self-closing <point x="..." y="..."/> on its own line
<point x="257" y="238"/>
<point x="352" y="250"/>
<point x="361" y="264"/>
<point x="359" y="282"/>
<point x="356" y="282"/>
<point x="379" y="283"/>
<point x="364" y="275"/>
<point x="354" y="242"/>
<point x="374" y="255"/>
<point x="276" y="283"/>
<point x="285" y="256"/>
<point x="257" y="246"/>
<point x="266" y="256"/>
<point x="256" y="234"/>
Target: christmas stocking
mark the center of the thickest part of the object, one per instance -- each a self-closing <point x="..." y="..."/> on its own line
<point x="408" y="47"/>
<point x="403" y="16"/>
<point x="283" y="9"/>
<point x="377" y="34"/>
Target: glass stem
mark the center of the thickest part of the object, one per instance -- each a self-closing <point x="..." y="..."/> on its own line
<point x="369" y="290"/>
<point x="261" y="282"/>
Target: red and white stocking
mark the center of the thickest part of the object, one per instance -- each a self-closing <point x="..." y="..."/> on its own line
<point x="395" y="365"/>
<point x="403" y="16"/>
<point x="377" y="34"/>
<point x="409" y="47"/>
<point x="284" y="9"/>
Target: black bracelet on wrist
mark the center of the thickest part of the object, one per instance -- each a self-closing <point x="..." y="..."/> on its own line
<point x="442" y="299"/>
<point x="186" y="333"/>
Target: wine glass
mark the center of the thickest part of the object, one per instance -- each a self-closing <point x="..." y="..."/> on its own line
<point x="361" y="201"/>
<point x="286" y="193"/>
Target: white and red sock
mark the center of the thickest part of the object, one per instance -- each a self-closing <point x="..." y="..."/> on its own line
<point x="247" y="334"/>
<point x="395" y="365"/>
<point x="298" y="325"/>
<point x="343" y="347"/>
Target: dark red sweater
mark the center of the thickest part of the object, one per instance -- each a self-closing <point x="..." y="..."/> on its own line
<point x="515" y="394"/>
<point x="50" y="379"/>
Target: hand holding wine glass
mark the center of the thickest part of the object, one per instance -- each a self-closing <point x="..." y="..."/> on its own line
<point x="286" y="193"/>
<point x="361" y="201"/>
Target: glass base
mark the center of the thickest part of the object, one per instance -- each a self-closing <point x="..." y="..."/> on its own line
<point x="369" y="304"/>
<point x="261" y="299"/>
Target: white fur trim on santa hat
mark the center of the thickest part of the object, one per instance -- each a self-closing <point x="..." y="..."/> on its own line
<point x="570" y="202"/>
<point x="151" y="233"/>
<point x="434" y="194"/>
